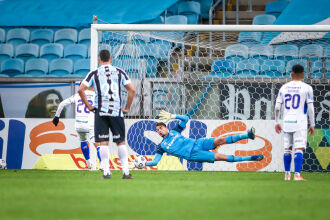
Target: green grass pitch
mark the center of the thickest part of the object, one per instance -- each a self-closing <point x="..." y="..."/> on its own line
<point x="48" y="195"/>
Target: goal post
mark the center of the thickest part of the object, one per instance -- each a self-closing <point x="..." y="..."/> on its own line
<point x="225" y="78"/>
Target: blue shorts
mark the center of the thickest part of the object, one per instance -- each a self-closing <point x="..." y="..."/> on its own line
<point x="201" y="151"/>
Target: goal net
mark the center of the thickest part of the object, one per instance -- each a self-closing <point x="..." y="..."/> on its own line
<point x="226" y="79"/>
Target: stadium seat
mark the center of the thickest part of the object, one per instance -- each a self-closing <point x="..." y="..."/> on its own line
<point x="2" y="36"/>
<point x="273" y="68"/>
<point x="12" y="67"/>
<point x="115" y="38"/>
<point x="247" y="68"/>
<point x="42" y="36"/>
<point x="6" y="52"/>
<point x="81" y="67"/>
<point x="36" y="67"/>
<point x="205" y="8"/>
<point x="222" y="68"/>
<point x="264" y="20"/>
<point x="27" y="51"/>
<point x="84" y="37"/>
<point x="75" y="51"/>
<point x="286" y="52"/>
<point x="51" y="51"/>
<point x="236" y="52"/>
<point x="18" y="36"/>
<point x="249" y="38"/>
<point x="176" y="19"/>
<point x="261" y="53"/>
<point x="66" y="36"/>
<point x="191" y="10"/>
<point x="311" y="51"/>
<point x="316" y="69"/>
<point x="291" y="63"/>
<point x="60" y="67"/>
<point x="275" y="8"/>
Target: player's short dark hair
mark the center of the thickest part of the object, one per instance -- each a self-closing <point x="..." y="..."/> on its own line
<point x="297" y="69"/>
<point x="104" y="55"/>
<point x="160" y="124"/>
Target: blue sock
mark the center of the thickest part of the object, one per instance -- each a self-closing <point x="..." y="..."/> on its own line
<point x="232" y="158"/>
<point x="98" y="153"/>
<point x="234" y="138"/>
<point x="287" y="157"/>
<point x="85" y="149"/>
<point x="298" y="161"/>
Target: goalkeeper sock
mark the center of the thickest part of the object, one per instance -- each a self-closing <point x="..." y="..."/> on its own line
<point x="85" y="149"/>
<point x="287" y="158"/>
<point x="234" y="138"/>
<point x="298" y="161"/>
<point x="123" y="156"/>
<point x="98" y="153"/>
<point x="232" y="158"/>
<point x="104" y="153"/>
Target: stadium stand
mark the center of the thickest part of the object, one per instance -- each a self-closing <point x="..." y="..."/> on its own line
<point x="42" y="36"/>
<point x="81" y="67"/>
<point x="249" y="38"/>
<point x="286" y="52"/>
<point x="273" y="68"/>
<point x="311" y="51"/>
<point x="51" y="51"/>
<point x="247" y="68"/>
<point x="236" y="52"/>
<point x="223" y="68"/>
<point x="60" y="67"/>
<point x="75" y="52"/>
<point x="191" y="10"/>
<point x="36" y="67"/>
<point x="27" y="51"/>
<point x="264" y="19"/>
<point x="2" y="35"/>
<point x="18" y="36"/>
<point x="12" y="67"/>
<point x="261" y="53"/>
<point x="66" y="36"/>
<point x="6" y="52"/>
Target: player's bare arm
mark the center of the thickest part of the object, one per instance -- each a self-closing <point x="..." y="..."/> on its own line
<point x="131" y="92"/>
<point x="82" y="94"/>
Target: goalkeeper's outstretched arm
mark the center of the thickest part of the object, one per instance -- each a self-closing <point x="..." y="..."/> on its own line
<point x="155" y="161"/>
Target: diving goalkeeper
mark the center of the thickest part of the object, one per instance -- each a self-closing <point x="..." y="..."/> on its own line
<point x="195" y="150"/>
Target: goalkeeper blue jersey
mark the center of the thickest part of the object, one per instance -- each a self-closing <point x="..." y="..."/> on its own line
<point x="174" y="143"/>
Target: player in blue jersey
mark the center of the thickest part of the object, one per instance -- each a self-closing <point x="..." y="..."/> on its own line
<point x="195" y="150"/>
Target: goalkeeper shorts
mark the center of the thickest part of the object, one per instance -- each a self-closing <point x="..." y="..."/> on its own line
<point x="201" y="151"/>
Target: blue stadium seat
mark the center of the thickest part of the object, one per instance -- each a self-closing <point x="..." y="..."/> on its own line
<point x="60" y="67"/>
<point x="236" y="52"/>
<point x="42" y="36"/>
<point x="264" y="20"/>
<point x="75" y="51"/>
<point x="115" y="38"/>
<point x="81" y="67"/>
<point x="12" y="67"/>
<point x="273" y="68"/>
<point x="205" y="8"/>
<point x="291" y="63"/>
<point x="316" y="69"/>
<point x="222" y="68"/>
<point x="247" y="68"/>
<point x="6" y="52"/>
<point x="51" y="51"/>
<point x="191" y="10"/>
<point x="36" y="67"/>
<point x="176" y="19"/>
<point x="66" y="36"/>
<point x="84" y="37"/>
<point x="173" y="10"/>
<point x="275" y="8"/>
<point x="249" y="38"/>
<point x="2" y="36"/>
<point x="18" y="36"/>
<point x="27" y="51"/>
<point x="261" y="53"/>
<point x="286" y="52"/>
<point x="311" y="51"/>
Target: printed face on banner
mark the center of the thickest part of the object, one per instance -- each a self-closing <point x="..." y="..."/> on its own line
<point x="52" y="102"/>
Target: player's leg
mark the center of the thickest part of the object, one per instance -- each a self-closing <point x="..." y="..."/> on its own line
<point x="287" y="157"/>
<point x="84" y="147"/>
<point x="101" y="131"/>
<point x="234" y="138"/>
<point x="233" y="158"/>
<point x="299" y="143"/>
<point x="117" y="127"/>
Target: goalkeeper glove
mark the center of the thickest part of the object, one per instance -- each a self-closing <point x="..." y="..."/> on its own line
<point x="166" y="116"/>
<point x="56" y="120"/>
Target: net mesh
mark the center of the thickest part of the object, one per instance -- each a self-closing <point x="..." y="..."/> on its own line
<point x="219" y="79"/>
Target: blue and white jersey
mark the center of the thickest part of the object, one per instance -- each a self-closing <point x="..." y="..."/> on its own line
<point x="295" y="96"/>
<point x="175" y="143"/>
<point x="107" y="81"/>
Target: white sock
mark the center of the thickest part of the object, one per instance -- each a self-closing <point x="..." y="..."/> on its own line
<point x="104" y="154"/>
<point x="123" y="156"/>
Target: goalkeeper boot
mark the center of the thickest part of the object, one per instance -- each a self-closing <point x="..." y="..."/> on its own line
<point x="257" y="157"/>
<point x="252" y="133"/>
<point x="128" y="176"/>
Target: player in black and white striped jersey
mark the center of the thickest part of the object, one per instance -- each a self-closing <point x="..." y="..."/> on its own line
<point x="108" y="81"/>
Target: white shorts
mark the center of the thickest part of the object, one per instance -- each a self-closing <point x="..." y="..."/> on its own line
<point x="83" y="132"/>
<point x="297" y="139"/>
